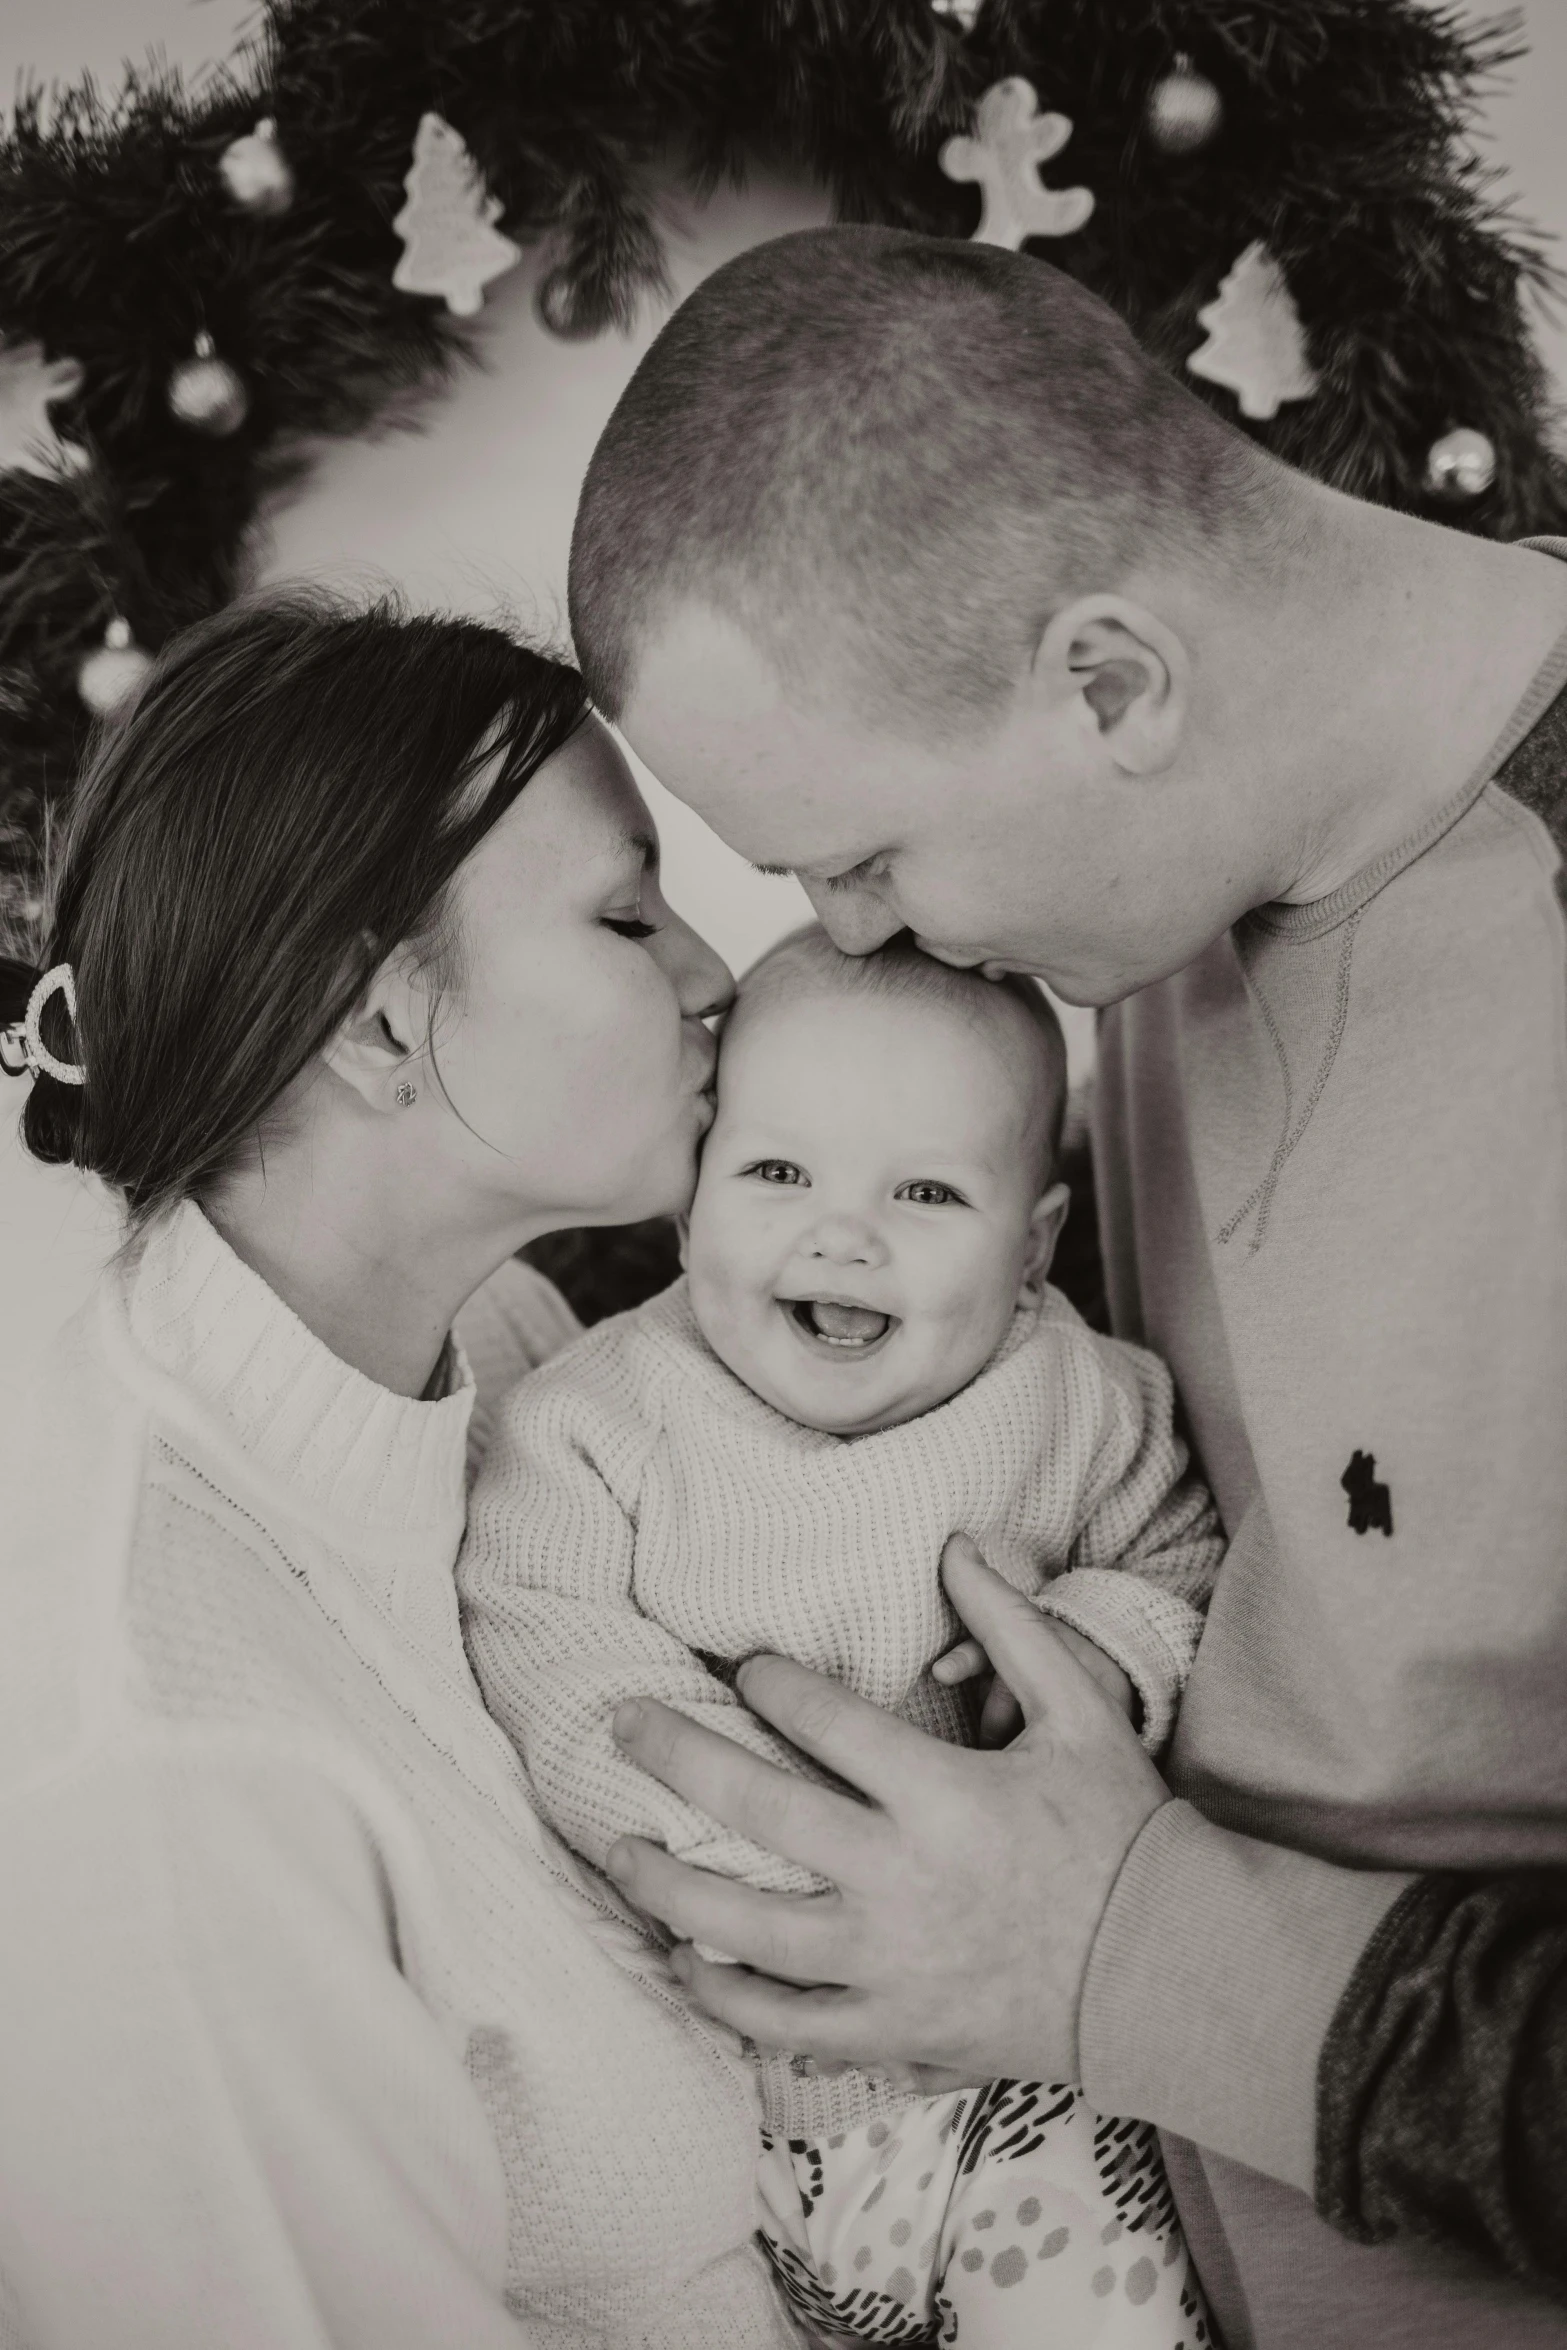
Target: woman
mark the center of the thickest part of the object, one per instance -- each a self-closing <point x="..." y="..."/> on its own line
<point x="357" y="978"/>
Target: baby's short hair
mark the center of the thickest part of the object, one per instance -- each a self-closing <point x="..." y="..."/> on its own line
<point x="806" y="963"/>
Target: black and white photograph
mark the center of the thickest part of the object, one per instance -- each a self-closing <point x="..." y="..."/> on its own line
<point x="783" y="1175"/>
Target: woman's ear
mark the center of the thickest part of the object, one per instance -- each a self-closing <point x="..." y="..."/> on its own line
<point x="1044" y="1231"/>
<point x="1129" y="674"/>
<point x="377" y="1047"/>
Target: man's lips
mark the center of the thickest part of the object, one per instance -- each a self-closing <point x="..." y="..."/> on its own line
<point x="838" y="1325"/>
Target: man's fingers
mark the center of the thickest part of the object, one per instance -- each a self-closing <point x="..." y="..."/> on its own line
<point x="1001" y="1717"/>
<point x="869" y="1749"/>
<point x="784" y="1934"/>
<point x="1020" y="1642"/>
<point x="827" y="2024"/>
<point x="823" y="1831"/>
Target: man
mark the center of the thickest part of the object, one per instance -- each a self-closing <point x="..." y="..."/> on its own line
<point x="904" y="566"/>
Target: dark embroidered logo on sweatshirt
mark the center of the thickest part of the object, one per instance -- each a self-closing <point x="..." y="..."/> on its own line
<point x="1370" y="1501"/>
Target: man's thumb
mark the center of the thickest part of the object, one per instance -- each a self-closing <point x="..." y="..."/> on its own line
<point x="1039" y="1669"/>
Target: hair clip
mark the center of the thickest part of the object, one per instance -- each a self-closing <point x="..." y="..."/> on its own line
<point x="42" y="1062"/>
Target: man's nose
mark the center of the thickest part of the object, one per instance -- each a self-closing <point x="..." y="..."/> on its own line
<point x="854" y="919"/>
<point x="845" y="1240"/>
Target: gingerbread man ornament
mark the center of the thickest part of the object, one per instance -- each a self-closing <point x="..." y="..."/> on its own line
<point x="1011" y="140"/>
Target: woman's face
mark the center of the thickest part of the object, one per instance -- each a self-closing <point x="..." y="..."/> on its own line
<point x="573" y="1053"/>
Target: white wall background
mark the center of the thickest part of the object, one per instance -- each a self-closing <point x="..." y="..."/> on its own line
<point x="475" y="508"/>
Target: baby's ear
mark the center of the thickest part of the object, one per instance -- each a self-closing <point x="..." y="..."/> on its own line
<point x="1044" y="1231"/>
<point x="683" y="1235"/>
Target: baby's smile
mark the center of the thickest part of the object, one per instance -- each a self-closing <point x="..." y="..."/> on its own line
<point x="836" y="1322"/>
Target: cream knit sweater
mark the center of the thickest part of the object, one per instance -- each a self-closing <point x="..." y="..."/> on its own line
<point x="310" y="2033"/>
<point x="642" y="1522"/>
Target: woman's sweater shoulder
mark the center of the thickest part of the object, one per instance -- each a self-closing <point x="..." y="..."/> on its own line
<point x="72" y="1502"/>
<point x="213" y="1525"/>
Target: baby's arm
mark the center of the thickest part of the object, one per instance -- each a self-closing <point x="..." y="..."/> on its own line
<point x="557" y="1639"/>
<point x="1148" y="1543"/>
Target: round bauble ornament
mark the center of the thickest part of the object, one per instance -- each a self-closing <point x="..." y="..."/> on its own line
<point x="108" y="678"/>
<point x="206" y="394"/>
<point x="1184" y="109"/>
<point x="1460" y="465"/>
<point x="256" y="171"/>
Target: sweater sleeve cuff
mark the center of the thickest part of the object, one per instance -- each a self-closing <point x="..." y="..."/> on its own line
<point x="1213" y="1979"/>
<point x="1149" y="1632"/>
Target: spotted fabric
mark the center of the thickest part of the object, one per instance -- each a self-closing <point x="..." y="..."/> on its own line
<point x="1005" y="2218"/>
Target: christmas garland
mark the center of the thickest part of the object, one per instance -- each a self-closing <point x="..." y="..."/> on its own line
<point x="1277" y="194"/>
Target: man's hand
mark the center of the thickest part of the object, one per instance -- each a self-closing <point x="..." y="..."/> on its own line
<point x="969" y="1885"/>
<point x="1001" y="1717"/>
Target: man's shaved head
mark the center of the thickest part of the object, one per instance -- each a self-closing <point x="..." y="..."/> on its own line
<point x="896" y="456"/>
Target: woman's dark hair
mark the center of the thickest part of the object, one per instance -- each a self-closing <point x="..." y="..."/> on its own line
<point x="288" y="802"/>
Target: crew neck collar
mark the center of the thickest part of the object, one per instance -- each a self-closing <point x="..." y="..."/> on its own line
<point x="346" y="1451"/>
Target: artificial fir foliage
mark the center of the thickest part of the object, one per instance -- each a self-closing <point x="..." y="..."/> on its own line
<point x="1336" y="143"/>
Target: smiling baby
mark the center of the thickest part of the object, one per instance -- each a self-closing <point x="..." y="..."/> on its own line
<point x="862" y="1360"/>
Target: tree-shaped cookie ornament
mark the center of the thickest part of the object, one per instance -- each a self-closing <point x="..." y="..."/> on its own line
<point x="447" y="225"/>
<point x="1256" y="346"/>
<point x="30" y="385"/>
<point x="1011" y="140"/>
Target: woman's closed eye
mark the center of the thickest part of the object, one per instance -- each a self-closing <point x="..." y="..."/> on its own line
<point x="628" y="925"/>
<point x="922" y="1192"/>
<point x="776" y="1171"/>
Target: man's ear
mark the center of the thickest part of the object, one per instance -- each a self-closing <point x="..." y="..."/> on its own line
<point x="380" y="1044"/>
<point x="1128" y="672"/>
<point x="1044" y="1230"/>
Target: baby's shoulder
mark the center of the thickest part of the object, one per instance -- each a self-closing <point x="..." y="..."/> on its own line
<point x="1118" y="1374"/>
<point x="617" y="1371"/>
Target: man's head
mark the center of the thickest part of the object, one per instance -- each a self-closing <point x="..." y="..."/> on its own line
<point x="878" y="1181"/>
<point x="897" y="560"/>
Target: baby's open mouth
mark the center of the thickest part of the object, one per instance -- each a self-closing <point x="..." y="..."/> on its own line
<point x="829" y="1322"/>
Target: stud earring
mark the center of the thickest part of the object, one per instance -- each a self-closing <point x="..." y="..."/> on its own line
<point x="406" y="1094"/>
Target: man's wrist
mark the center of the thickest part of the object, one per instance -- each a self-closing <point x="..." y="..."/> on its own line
<point x="1212" y="1981"/>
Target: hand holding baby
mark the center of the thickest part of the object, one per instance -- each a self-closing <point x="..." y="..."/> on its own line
<point x="1001" y="1716"/>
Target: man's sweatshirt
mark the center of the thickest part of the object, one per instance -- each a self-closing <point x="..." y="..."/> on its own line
<point x="1332" y="1159"/>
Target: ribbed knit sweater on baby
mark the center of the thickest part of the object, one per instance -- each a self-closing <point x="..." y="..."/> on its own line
<point x="643" y="1522"/>
<point x="312" y="2036"/>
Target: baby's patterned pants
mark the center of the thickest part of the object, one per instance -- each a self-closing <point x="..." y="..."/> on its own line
<point x="1006" y="2218"/>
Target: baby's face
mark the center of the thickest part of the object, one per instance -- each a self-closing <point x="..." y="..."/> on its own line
<point x="862" y="1225"/>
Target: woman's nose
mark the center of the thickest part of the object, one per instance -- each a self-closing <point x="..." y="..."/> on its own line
<point x="845" y="1240"/>
<point x="703" y="981"/>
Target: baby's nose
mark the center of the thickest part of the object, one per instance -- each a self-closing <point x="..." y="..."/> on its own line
<point x="846" y="1240"/>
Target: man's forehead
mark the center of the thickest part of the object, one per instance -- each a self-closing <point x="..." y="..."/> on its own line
<point x="787" y="779"/>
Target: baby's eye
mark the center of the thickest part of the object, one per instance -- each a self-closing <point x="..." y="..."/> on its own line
<point x="776" y="1171"/>
<point x="930" y="1195"/>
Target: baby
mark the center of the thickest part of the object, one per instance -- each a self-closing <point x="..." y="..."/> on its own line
<point x="862" y="1360"/>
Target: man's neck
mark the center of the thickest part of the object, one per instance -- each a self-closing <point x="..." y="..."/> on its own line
<point x="1415" y="648"/>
